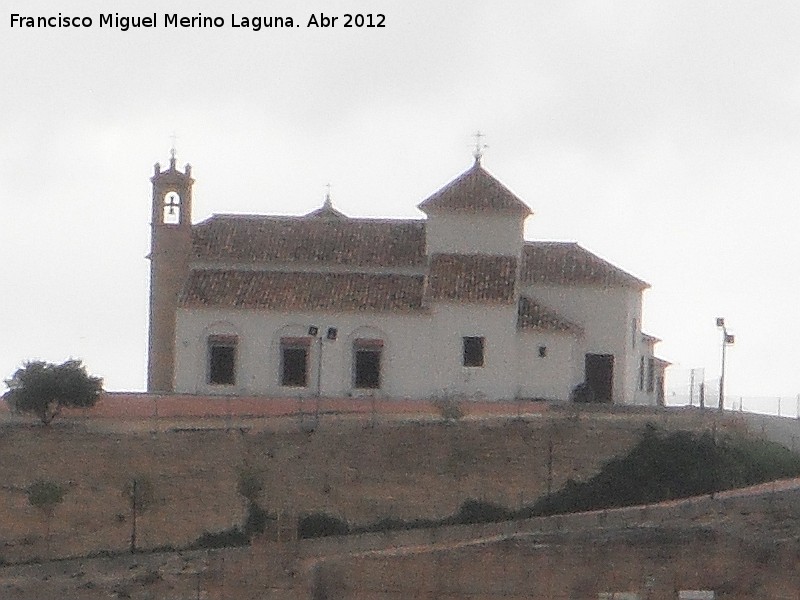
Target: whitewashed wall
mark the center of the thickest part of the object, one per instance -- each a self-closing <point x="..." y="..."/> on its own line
<point x="497" y="324"/>
<point x="607" y="317"/>
<point x="422" y="353"/>
<point x="258" y="351"/>
<point x="494" y="234"/>
<point x="551" y="377"/>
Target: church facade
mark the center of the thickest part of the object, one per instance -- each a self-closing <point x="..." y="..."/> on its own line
<point x="456" y="304"/>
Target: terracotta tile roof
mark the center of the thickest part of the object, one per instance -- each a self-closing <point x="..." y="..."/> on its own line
<point x="361" y="242"/>
<point x="272" y="290"/>
<point x="566" y="263"/>
<point x="475" y="190"/>
<point x="532" y="315"/>
<point x="471" y="278"/>
<point x="650" y="339"/>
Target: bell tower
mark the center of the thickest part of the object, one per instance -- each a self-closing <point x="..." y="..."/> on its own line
<point x="170" y="251"/>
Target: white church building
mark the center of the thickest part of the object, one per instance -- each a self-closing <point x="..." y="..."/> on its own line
<point x="456" y="304"/>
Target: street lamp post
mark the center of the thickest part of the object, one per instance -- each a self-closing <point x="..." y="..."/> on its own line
<point x="727" y="339"/>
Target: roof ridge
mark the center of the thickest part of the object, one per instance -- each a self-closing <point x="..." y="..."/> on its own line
<point x="257" y="216"/>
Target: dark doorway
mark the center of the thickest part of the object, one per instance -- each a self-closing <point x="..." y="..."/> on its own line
<point x="600" y="376"/>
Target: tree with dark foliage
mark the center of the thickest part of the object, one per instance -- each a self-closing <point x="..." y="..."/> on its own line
<point x="45" y="389"/>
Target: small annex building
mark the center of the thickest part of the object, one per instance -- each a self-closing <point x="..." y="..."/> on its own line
<point x="458" y="303"/>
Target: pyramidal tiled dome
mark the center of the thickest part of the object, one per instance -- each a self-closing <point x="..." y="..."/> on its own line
<point x="475" y="190"/>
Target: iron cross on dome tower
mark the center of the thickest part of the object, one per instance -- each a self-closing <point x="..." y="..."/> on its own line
<point x="479" y="146"/>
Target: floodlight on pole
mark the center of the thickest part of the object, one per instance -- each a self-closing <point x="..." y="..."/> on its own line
<point x="317" y="333"/>
<point x="727" y="340"/>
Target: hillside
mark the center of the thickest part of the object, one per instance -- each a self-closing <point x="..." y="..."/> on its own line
<point x="400" y="468"/>
<point x="742" y="544"/>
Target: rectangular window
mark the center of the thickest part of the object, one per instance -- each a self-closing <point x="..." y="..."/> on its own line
<point x="641" y="373"/>
<point x="294" y="361"/>
<point x="367" y="363"/>
<point x="473" y="351"/>
<point x="222" y="359"/>
<point x="651" y="374"/>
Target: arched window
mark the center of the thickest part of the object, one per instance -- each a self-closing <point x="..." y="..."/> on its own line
<point x="294" y="361"/>
<point x="172" y="209"/>
<point x="222" y="359"/>
<point x="293" y="345"/>
<point x="367" y="355"/>
<point x="221" y="339"/>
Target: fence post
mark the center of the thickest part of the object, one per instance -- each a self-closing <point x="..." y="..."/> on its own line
<point x="550" y="464"/>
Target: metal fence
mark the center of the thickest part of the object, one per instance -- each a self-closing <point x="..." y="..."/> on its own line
<point x="689" y="387"/>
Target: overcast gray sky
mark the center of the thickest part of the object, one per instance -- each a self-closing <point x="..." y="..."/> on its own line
<point x="663" y="136"/>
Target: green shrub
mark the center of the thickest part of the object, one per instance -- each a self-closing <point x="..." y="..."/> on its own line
<point x="222" y="539"/>
<point x="669" y="466"/>
<point x="479" y="511"/>
<point x="46" y="495"/>
<point x="382" y="526"/>
<point x="320" y="525"/>
<point x="256" y="520"/>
